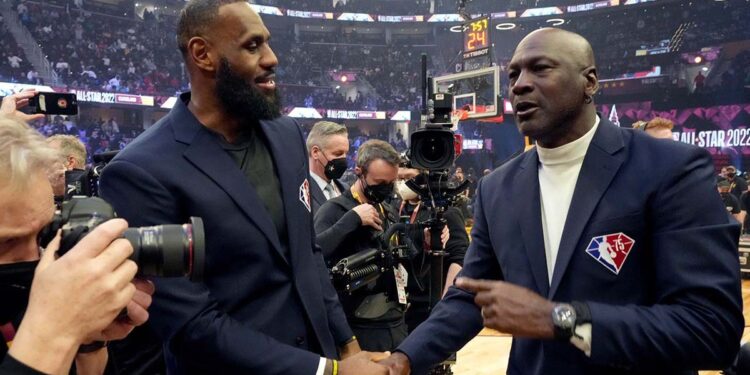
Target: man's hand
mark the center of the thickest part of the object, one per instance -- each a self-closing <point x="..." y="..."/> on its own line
<point x="510" y="308"/>
<point x="397" y="363"/>
<point x="363" y="363"/>
<point x="75" y="298"/>
<point x="80" y="294"/>
<point x="12" y="103"/>
<point x="369" y="216"/>
<point x="445" y="235"/>
<point x="137" y="312"/>
<point x="350" y="349"/>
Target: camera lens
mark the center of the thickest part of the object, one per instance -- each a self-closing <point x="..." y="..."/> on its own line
<point x="169" y="250"/>
<point x="432" y="149"/>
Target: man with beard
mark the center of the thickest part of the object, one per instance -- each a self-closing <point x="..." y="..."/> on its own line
<point x="225" y="154"/>
<point x="601" y="250"/>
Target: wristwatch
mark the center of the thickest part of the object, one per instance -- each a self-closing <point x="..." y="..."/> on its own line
<point x="566" y="317"/>
<point x="564" y="321"/>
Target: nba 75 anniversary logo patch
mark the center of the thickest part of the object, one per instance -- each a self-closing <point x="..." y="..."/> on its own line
<point x="611" y="250"/>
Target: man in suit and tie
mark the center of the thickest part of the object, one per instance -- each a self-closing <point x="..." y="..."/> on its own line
<point x="602" y="250"/>
<point x="224" y="153"/>
<point x="327" y="146"/>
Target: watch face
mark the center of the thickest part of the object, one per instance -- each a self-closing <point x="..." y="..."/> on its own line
<point x="564" y="316"/>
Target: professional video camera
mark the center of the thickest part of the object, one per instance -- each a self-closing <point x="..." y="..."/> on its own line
<point x="161" y="250"/>
<point x="364" y="267"/>
<point x="86" y="182"/>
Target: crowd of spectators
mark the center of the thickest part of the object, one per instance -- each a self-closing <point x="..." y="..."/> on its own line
<point x="105" y="52"/>
<point x="407" y="7"/>
<point x="99" y="135"/>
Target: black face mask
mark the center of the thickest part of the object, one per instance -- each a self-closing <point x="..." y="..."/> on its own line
<point x="15" y="284"/>
<point x="335" y="168"/>
<point x="377" y="193"/>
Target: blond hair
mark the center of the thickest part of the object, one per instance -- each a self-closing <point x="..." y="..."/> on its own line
<point x="23" y="151"/>
<point x="659" y="123"/>
<point x="70" y="146"/>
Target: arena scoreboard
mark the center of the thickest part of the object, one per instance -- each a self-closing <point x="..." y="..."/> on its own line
<point x="476" y="38"/>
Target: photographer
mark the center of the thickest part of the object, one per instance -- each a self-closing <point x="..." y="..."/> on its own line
<point x="68" y="312"/>
<point x="72" y="161"/>
<point x="354" y="222"/>
<point x="454" y="239"/>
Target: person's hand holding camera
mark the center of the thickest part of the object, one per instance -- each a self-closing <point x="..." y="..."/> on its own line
<point x="12" y="103"/>
<point x="369" y="216"/>
<point x="75" y="299"/>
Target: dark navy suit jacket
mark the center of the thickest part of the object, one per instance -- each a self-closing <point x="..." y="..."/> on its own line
<point x="317" y="195"/>
<point x="675" y="304"/>
<point x="264" y="308"/>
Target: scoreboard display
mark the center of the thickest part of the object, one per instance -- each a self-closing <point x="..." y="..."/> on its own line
<point x="476" y="35"/>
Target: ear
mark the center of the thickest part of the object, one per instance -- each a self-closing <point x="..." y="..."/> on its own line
<point x="358" y="171"/>
<point x="201" y="53"/>
<point x="592" y="80"/>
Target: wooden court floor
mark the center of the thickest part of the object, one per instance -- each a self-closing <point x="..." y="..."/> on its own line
<point x="488" y="353"/>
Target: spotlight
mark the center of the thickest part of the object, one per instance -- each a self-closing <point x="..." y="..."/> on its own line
<point x="556" y="21"/>
<point x="698" y="60"/>
<point x="506" y="26"/>
<point x="343" y="79"/>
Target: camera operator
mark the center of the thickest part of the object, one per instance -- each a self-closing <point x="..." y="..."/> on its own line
<point x="455" y="242"/>
<point x="327" y="146"/>
<point x="72" y="160"/>
<point x="354" y="222"/>
<point x="56" y="311"/>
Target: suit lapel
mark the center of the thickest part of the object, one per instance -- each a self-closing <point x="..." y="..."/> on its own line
<point x="317" y="195"/>
<point x="204" y="151"/>
<point x="530" y="219"/>
<point x="290" y="180"/>
<point x="600" y="165"/>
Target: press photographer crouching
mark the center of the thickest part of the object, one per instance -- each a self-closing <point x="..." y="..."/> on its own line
<point x="56" y="311"/>
<point x="354" y="222"/>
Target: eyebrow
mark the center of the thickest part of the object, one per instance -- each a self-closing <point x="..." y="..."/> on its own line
<point x="531" y="60"/>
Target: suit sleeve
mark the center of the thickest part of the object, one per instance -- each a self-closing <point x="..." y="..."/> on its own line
<point x="697" y="318"/>
<point x="332" y="229"/>
<point x="456" y="319"/>
<point x="183" y="313"/>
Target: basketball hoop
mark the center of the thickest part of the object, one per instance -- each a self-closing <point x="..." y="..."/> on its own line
<point x="458" y="115"/>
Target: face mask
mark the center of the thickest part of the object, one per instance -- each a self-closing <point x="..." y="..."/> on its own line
<point x="15" y="284"/>
<point x="335" y="168"/>
<point x="377" y="193"/>
<point x="731" y="175"/>
<point x="405" y="192"/>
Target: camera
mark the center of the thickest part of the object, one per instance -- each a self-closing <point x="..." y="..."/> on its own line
<point x="160" y="251"/>
<point x="433" y="147"/>
<point x="86" y="181"/>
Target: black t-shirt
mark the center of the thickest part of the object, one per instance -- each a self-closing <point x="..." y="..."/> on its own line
<point x="251" y="154"/>
<point x="731" y="203"/>
<point x="738" y="186"/>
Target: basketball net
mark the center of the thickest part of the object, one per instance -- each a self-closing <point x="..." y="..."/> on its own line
<point x="458" y="115"/>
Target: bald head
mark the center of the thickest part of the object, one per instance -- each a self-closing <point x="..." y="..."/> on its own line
<point x="578" y="48"/>
<point x="552" y="83"/>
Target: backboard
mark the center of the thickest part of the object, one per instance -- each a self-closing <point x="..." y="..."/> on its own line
<point x="476" y="91"/>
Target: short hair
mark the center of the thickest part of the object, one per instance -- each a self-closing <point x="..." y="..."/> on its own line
<point x="70" y="146"/>
<point x="22" y="152"/>
<point x="196" y="18"/>
<point x="640" y="125"/>
<point x="659" y="123"/>
<point x="321" y="131"/>
<point x="375" y="149"/>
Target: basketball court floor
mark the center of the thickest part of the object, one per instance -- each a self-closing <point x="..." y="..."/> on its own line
<point x="488" y="353"/>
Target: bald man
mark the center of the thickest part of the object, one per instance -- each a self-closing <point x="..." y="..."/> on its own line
<point x="602" y="250"/>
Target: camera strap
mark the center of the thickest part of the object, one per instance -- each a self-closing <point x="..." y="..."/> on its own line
<point x="413" y="217"/>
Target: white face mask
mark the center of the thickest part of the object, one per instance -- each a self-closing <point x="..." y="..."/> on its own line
<point x="404" y="192"/>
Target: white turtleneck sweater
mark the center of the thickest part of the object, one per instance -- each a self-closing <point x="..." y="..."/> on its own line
<point x="559" y="168"/>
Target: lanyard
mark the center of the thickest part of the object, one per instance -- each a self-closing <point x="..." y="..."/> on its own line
<point x="413" y="217"/>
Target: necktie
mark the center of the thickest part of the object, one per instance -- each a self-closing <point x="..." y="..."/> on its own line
<point x="331" y="192"/>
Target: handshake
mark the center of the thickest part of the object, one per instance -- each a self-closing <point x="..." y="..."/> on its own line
<point x="371" y="363"/>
